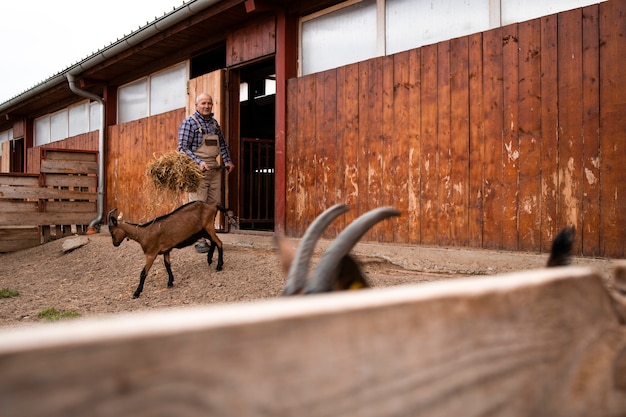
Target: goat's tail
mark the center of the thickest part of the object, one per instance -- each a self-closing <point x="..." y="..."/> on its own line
<point x="230" y="216"/>
<point x="560" y="254"/>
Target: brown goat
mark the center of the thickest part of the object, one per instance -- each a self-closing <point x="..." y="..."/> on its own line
<point x="178" y="229"/>
<point x="336" y="270"/>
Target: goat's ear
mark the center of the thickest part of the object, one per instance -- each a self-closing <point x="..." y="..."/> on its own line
<point x="286" y="252"/>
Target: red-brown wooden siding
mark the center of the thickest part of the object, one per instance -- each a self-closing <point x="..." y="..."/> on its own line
<point x="494" y="140"/>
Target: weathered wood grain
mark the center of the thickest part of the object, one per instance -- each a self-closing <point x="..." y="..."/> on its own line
<point x="537" y="343"/>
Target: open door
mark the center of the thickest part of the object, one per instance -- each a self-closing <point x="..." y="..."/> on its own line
<point x="257" y="114"/>
<point x="214" y="83"/>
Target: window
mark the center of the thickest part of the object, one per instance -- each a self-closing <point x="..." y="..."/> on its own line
<point x="409" y="23"/>
<point x="72" y="121"/>
<point x="158" y="93"/>
<point x="357" y="30"/>
<point x="339" y="37"/>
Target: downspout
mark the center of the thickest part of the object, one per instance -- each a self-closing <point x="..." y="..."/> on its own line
<point x="91" y="229"/>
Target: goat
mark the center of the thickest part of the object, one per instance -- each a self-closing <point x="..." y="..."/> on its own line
<point x="336" y="270"/>
<point x="178" y="229"/>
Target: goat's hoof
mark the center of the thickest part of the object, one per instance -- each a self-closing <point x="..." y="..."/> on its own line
<point x="170" y="285"/>
<point x="218" y="268"/>
<point x="135" y="296"/>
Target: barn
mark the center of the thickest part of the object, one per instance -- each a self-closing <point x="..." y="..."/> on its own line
<point x="488" y="124"/>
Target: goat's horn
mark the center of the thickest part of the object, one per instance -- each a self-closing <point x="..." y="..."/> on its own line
<point x="296" y="278"/>
<point x="110" y="215"/>
<point x="325" y="273"/>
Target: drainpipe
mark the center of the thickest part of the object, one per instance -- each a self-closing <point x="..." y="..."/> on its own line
<point x="91" y="229"/>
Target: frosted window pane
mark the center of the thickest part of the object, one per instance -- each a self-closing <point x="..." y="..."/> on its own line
<point x="411" y="24"/>
<point x="58" y="126"/>
<point x="132" y="101"/>
<point x="338" y="38"/>
<point x="521" y="10"/>
<point x="78" y="119"/>
<point x="95" y="111"/>
<point x="168" y="89"/>
<point x="4" y="136"/>
<point x="42" y="131"/>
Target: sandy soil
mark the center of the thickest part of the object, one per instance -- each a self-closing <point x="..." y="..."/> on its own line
<point x="98" y="278"/>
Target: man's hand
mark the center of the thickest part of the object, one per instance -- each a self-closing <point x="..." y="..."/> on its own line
<point x="230" y="166"/>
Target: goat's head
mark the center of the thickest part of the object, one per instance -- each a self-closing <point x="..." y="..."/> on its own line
<point x="336" y="270"/>
<point x="117" y="234"/>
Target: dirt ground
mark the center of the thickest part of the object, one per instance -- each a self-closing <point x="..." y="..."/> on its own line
<point x="97" y="278"/>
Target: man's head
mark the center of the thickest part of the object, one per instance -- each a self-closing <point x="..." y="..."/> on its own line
<point x="204" y="104"/>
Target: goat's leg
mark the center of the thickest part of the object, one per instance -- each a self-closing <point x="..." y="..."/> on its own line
<point x="168" y="267"/>
<point x="144" y="274"/>
<point x="209" y="255"/>
<point x="215" y="242"/>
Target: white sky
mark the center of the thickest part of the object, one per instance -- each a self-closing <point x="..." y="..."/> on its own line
<point x="41" y="38"/>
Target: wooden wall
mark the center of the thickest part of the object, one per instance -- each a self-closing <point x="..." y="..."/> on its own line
<point x="251" y="42"/>
<point x="494" y="140"/>
<point x="130" y="148"/>
<point x="84" y="142"/>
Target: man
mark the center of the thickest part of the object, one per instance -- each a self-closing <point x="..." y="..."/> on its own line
<point x="200" y="138"/>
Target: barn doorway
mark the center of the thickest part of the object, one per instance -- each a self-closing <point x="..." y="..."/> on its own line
<point x="257" y="110"/>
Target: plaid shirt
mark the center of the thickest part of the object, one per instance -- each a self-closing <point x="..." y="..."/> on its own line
<point x="190" y="136"/>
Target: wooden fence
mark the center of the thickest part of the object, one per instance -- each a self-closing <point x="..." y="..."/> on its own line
<point x="58" y="201"/>
<point x="494" y="140"/>
<point x="491" y="346"/>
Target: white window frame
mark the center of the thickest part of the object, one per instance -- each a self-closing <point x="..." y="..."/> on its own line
<point x="147" y="79"/>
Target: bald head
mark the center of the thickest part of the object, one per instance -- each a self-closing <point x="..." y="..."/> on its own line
<point x="204" y="104"/>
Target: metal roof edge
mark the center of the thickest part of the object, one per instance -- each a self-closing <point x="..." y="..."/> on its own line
<point x="162" y="23"/>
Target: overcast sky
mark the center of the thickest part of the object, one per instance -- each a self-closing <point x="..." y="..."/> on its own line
<point x="41" y="38"/>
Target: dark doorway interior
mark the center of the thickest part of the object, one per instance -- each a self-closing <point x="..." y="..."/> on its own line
<point x="257" y="101"/>
<point x="17" y="155"/>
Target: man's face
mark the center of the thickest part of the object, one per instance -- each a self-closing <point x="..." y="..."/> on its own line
<point x="205" y="105"/>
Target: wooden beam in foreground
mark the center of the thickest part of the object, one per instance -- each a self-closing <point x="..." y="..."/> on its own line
<point x="539" y="343"/>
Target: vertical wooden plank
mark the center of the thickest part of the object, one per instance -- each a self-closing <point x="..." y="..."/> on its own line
<point x="390" y="183"/>
<point x="530" y="135"/>
<point x="510" y="138"/>
<point x="328" y="150"/>
<point x="589" y="233"/>
<point x="339" y="162"/>
<point x="549" y="132"/>
<point x="492" y="116"/>
<point x="291" y="152"/>
<point x="414" y="146"/>
<point x="320" y="190"/>
<point x="375" y="137"/>
<point x="364" y="140"/>
<point x="613" y="126"/>
<point x="428" y="163"/>
<point x="444" y="160"/>
<point x="476" y="141"/>
<point x="351" y="148"/>
<point x="305" y="126"/>
<point x="570" y="119"/>
<point x="398" y="166"/>
<point x="459" y="139"/>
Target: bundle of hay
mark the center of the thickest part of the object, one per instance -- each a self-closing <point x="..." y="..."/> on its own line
<point x="174" y="172"/>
